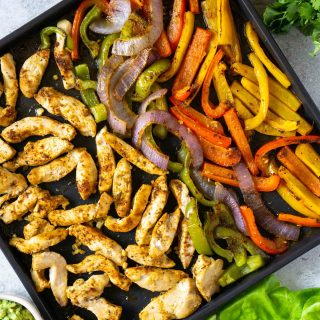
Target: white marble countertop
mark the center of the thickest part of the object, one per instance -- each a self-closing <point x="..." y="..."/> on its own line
<point x="301" y="273"/>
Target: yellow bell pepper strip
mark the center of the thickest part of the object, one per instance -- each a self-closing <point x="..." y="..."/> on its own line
<point x="196" y="232"/>
<point x="262" y="77"/>
<point x="309" y="157"/>
<point x="105" y="48"/>
<point x="299" y="221"/>
<point x="293" y="201"/>
<point x="287" y="157"/>
<point x="181" y="49"/>
<point x="275" y="88"/>
<point x="272" y="68"/>
<point x="261" y="158"/>
<point x="225" y="34"/>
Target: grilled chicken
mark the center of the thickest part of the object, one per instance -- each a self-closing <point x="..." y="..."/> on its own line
<point x="11" y="184"/>
<point x="6" y="151"/>
<point x="35" y="227"/>
<point x="140" y="254"/>
<point x="106" y="161"/>
<point x="129" y="222"/>
<point x="63" y="56"/>
<point x="207" y="271"/>
<point x="181" y="193"/>
<point x="58" y="274"/>
<point x="39" y="279"/>
<point x="39" y="242"/>
<point x="177" y="303"/>
<point x="122" y="187"/>
<point x="100" y="243"/>
<point x="155" y="279"/>
<point x="81" y="214"/>
<point x="39" y="153"/>
<point x="32" y="72"/>
<point x="69" y="108"/>
<point x="163" y="233"/>
<point x="97" y="262"/>
<point x="8" y="70"/>
<point x="37" y="126"/>
<point x="153" y="211"/>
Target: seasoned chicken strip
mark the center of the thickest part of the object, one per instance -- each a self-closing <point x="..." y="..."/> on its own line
<point x="129" y="222"/>
<point x="155" y="279"/>
<point x="122" y="187"/>
<point x="39" y="153"/>
<point x="35" y="227"/>
<point x="181" y="193"/>
<point x="39" y="242"/>
<point x="97" y="262"/>
<point x="69" y="108"/>
<point x="58" y="273"/>
<point x="11" y="184"/>
<point x="8" y="70"/>
<point x="81" y="214"/>
<point x="103" y="309"/>
<point x="37" y="126"/>
<point x="177" y="303"/>
<point x="163" y="233"/>
<point x="63" y="56"/>
<point x="32" y="71"/>
<point x="39" y="279"/>
<point x="140" y="254"/>
<point x="158" y="201"/>
<point x="106" y="161"/>
<point x="100" y="243"/>
<point x="207" y="271"/>
<point x="6" y="151"/>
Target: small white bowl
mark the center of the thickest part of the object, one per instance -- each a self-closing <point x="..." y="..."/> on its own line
<point x="26" y="303"/>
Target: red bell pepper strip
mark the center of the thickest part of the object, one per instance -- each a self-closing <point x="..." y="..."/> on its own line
<point x="273" y="247"/>
<point x="163" y="45"/>
<point x="194" y="6"/>
<point x="299" y="221"/>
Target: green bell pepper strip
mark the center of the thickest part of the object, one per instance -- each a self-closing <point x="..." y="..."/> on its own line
<point x="87" y="84"/>
<point x="224" y="214"/>
<point x="234" y="272"/>
<point x="89" y="96"/>
<point x="197" y="234"/>
<point x="105" y="48"/>
<point x="48" y="31"/>
<point x="133" y="27"/>
<point x="93" y="46"/>
<point x="238" y="250"/>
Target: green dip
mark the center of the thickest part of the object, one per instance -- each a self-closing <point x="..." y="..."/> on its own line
<point x="10" y="310"/>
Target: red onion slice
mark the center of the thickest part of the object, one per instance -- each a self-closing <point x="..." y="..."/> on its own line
<point x="153" y="96"/>
<point x="264" y="217"/>
<point x="204" y="185"/>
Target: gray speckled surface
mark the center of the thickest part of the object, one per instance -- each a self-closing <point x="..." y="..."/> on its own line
<point x="303" y="272"/>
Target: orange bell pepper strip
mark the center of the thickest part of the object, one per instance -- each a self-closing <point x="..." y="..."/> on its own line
<point x="240" y="139"/>
<point x="287" y="157"/>
<point x="209" y="109"/>
<point x="299" y="221"/>
<point x="261" y="158"/>
<point x="163" y="45"/>
<point x="227" y="176"/>
<point x="136" y="4"/>
<point x="176" y="23"/>
<point x="269" y="246"/>
<point x="194" y="6"/>
<point x="201" y="131"/>
<point x="191" y="63"/>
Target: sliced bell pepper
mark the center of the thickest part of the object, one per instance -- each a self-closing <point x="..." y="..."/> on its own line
<point x="105" y="48"/>
<point x="299" y="221"/>
<point x="240" y="139"/>
<point x="176" y="22"/>
<point x="224" y="175"/>
<point x="136" y="4"/>
<point x="47" y="32"/>
<point x="191" y="63"/>
<point x="225" y="34"/>
<point x="273" y="247"/>
<point x="194" y="6"/>
<point x="309" y="157"/>
<point x="238" y="250"/>
<point x="163" y="45"/>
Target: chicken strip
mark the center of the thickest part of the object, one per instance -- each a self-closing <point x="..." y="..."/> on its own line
<point x="32" y="72"/>
<point x="106" y="161"/>
<point x="159" y="197"/>
<point x="129" y="222"/>
<point x="155" y="279"/>
<point x="39" y="242"/>
<point x="181" y="193"/>
<point x="97" y="262"/>
<point x="163" y="233"/>
<point x="11" y="184"/>
<point x="207" y="271"/>
<point x="8" y="70"/>
<point x="140" y="254"/>
<point x="81" y="214"/>
<point x="6" y="151"/>
<point x="37" y="126"/>
<point x="100" y="243"/>
<point x="69" y="108"/>
<point x="39" y="153"/>
<point x="122" y="187"/>
<point x="35" y="227"/>
<point x="39" y="279"/>
<point x="58" y="274"/>
<point x="177" y="303"/>
<point x="63" y="56"/>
